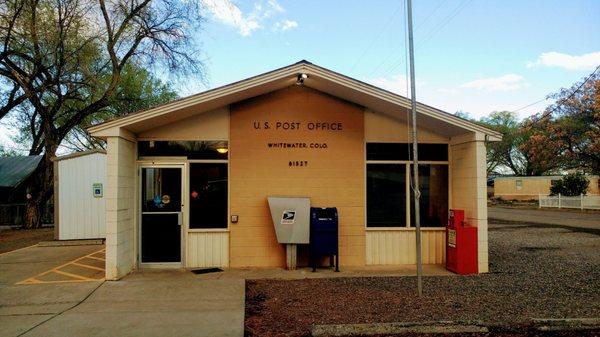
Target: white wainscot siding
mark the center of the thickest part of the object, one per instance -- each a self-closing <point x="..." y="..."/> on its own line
<point x="398" y="246"/>
<point x="208" y="249"/>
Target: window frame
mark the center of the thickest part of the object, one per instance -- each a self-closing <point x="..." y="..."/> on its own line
<point x="408" y="169"/>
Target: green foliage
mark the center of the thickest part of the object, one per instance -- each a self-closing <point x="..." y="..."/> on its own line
<point x="572" y="184"/>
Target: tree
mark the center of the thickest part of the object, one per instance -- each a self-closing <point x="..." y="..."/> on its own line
<point x="570" y="185"/>
<point x="62" y="62"/>
<point x="572" y="126"/>
<point x="510" y="152"/>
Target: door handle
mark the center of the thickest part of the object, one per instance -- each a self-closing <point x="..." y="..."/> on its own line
<point x="179" y="218"/>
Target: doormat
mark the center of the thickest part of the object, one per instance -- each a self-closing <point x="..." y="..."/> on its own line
<point x="207" y="270"/>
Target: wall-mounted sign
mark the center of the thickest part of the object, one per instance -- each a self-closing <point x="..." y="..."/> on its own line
<point x="97" y="190"/>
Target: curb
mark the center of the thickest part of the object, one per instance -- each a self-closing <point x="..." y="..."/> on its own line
<point x="558" y="324"/>
<point x="370" y="329"/>
<point x="61" y="243"/>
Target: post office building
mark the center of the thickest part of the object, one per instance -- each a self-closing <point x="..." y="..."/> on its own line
<point x="188" y="182"/>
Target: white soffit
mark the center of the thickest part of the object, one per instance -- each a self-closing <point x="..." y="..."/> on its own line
<point x="321" y="79"/>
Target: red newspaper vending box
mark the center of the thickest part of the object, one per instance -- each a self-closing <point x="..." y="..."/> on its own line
<point x="461" y="245"/>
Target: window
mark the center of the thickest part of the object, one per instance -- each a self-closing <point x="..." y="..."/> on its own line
<point x="386" y="195"/>
<point x="388" y="171"/>
<point x="519" y="184"/>
<point x="208" y="195"/>
<point x="403" y="151"/>
<point x="189" y="149"/>
<point x="433" y="205"/>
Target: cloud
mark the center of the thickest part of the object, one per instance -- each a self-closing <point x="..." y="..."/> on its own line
<point x="284" y="25"/>
<point x="587" y="61"/>
<point x="396" y="84"/>
<point x="503" y="83"/>
<point x="228" y="13"/>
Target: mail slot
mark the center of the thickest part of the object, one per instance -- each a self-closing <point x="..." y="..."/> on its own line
<point x="461" y="245"/>
<point x="324" y="235"/>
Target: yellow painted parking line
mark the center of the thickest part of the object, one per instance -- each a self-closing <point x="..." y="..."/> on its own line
<point x="71" y="275"/>
<point x="87" y="266"/>
<point x="96" y="258"/>
<point x="74" y="277"/>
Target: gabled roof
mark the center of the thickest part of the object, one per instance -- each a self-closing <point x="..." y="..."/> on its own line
<point x="14" y="170"/>
<point x="319" y="78"/>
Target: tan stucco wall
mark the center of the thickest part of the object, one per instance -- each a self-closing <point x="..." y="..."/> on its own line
<point x="468" y="187"/>
<point x="120" y="201"/>
<point x="383" y="128"/>
<point x="333" y="177"/>
<point x="210" y="125"/>
<point x="532" y="187"/>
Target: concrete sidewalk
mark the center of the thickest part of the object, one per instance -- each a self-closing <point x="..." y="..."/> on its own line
<point x="148" y="303"/>
<point x="155" y="303"/>
<point x="553" y="217"/>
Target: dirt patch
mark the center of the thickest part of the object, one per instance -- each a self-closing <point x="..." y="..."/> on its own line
<point x="560" y="279"/>
<point x="11" y="239"/>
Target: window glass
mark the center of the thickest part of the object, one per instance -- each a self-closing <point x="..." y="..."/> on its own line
<point x="161" y="190"/>
<point x="208" y="195"/>
<point x="434" y="196"/>
<point x="386" y="195"/>
<point x="189" y="149"/>
<point x="403" y="151"/>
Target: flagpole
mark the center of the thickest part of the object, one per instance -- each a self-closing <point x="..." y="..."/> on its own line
<point x="415" y="185"/>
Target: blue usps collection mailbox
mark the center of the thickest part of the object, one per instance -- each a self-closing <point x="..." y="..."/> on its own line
<point x="324" y="235"/>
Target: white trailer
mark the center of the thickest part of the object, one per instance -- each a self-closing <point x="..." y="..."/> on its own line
<point x="79" y="201"/>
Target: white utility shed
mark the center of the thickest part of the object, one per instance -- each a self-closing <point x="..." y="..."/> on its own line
<point x="79" y="203"/>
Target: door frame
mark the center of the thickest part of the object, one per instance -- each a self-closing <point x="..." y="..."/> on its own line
<point x="183" y="215"/>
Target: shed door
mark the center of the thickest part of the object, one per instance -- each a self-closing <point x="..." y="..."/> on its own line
<point x="161" y="215"/>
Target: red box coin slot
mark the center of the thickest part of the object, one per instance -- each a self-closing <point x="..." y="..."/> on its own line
<point x="461" y="245"/>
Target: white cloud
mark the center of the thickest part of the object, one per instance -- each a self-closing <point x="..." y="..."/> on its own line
<point x="587" y="61"/>
<point x="396" y="84"/>
<point x="229" y="14"/>
<point x="506" y="82"/>
<point x="286" y="25"/>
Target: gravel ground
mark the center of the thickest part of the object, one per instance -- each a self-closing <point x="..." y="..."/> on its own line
<point x="11" y="239"/>
<point x="537" y="271"/>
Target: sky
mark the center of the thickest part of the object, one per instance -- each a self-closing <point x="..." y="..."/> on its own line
<point x="474" y="56"/>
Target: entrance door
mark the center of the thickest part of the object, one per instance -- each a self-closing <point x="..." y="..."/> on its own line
<point x="161" y="214"/>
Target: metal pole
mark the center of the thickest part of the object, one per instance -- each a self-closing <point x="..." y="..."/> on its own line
<point x="417" y="192"/>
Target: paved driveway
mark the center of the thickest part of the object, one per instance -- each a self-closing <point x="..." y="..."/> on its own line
<point x="568" y="218"/>
<point x="148" y="303"/>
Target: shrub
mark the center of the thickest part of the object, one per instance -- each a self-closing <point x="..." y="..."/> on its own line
<point x="570" y="185"/>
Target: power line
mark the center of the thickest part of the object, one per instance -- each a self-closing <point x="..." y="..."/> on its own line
<point x="549" y="112"/>
<point x="429" y="16"/>
<point x="383" y="29"/>
<point x="442" y="24"/>
<point x="431" y="33"/>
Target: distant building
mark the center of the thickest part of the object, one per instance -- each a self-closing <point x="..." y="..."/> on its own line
<point x="529" y="188"/>
<point x="15" y="172"/>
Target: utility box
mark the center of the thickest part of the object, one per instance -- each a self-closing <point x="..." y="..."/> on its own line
<point x="461" y="245"/>
<point x="324" y="236"/>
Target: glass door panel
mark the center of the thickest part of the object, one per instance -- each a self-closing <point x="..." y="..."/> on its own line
<point x="161" y="215"/>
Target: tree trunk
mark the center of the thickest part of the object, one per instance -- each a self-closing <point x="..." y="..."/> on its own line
<point x="40" y="187"/>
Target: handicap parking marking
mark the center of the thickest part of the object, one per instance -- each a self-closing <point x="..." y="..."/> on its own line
<point x="84" y="272"/>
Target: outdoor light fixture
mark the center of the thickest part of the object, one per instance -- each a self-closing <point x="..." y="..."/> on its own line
<point x="301" y="78"/>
